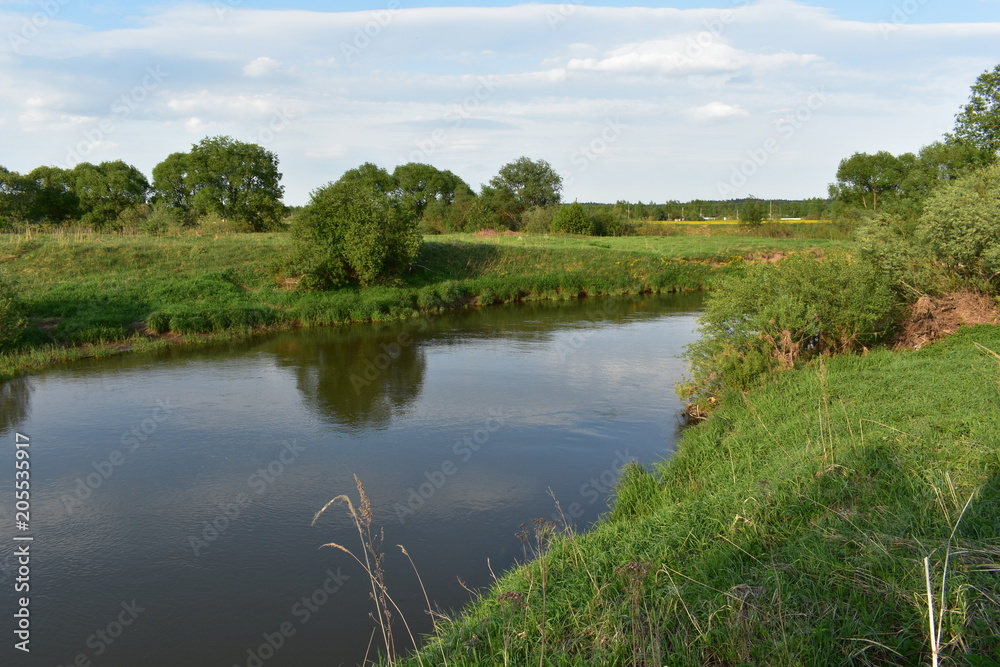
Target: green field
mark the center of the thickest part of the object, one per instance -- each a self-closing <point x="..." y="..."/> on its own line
<point x="94" y="294"/>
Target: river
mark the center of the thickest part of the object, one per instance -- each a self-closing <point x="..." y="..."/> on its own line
<point x="172" y="493"/>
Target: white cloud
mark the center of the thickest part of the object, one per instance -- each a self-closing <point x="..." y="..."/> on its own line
<point x="716" y="111"/>
<point x="260" y="67"/>
<point x="686" y="55"/>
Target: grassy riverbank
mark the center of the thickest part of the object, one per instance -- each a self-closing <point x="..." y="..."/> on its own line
<point x="91" y="294"/>
<point x="790" y="528"/>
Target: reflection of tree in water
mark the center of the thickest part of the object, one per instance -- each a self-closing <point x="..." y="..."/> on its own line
<point x="363" y="375"/>
<point x="15" y="398"/>
<point x="359" y="376"/>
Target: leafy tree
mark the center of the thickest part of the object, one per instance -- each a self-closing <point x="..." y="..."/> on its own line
<point x="424" y="185"/>
<point x="961" y="223"/>
<point x="107" y="190"/>
<point x="607" y="222"/>
<point x="357" y="229"/>
<point x="753" y="212"/>
<point x="17" y="194"/>
<point x="953" y="158"/>
<point x="224" y="177"/>
<point x="519" y="186"/>
<point x="863" y="177"/>
<point x="171" y="184"/>
<point x="573" y="219"/>
<point x="55" y="197"/>
<point x="979" y="121"/>
<point x="775" y="316"/>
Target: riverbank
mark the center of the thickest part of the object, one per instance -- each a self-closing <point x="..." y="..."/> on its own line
<point x="790" y="528"/>
<point x="98" y="294"/>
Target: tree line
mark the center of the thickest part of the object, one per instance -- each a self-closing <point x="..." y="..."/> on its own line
<point x="219" y="176"/>
<point x="882" y="183"/>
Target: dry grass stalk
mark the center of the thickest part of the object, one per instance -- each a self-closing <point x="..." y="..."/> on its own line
<point x="373" y="566"/>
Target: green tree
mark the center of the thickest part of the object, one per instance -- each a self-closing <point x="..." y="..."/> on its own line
<point x="107" y="190"/>
<point x="979" y="121"/>
<point x="607" y="222"/>
<point x="424" y="185"/>
<point x="171" y="183"/>
<point x="753" y="212"/>
<point x="961" y="223"/>
<point x="357" y="229"/>
<point x="231" y="179"/>
<point x="519" y="186"/>
<point x="17" y="195"/>
<point x="863" y="178"/>
<point x="953" y="158"/>
<point x="55" y="197"/>
<point x="773" y="316"/>
<point x="573" y="219"/>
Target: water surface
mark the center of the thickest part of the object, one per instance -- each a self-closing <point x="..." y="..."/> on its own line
<point x="172" y="492"/>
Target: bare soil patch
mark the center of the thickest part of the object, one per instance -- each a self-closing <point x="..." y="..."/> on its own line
<point x="931" y="318"/>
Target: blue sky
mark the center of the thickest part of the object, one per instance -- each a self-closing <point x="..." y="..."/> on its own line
<point x="627" y="100"/>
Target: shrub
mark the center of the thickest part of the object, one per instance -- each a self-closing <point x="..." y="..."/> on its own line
<point x="12" y="321"/>
<point x="888" y="243"/>
<point x="573" y="219"/>
<point x="775" y="316"/>
<point x="357" y="230"/>
<point x="163" y="219"/>
<point x="961" y="223"/>
<point x="538" y="219"/>
<point x="753" y="212"/>
<point x="607" y="223"/>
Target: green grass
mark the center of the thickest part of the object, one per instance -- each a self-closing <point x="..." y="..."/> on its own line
<point x="681" y="247"/>
<point x="110" y="292"/>
<point x="790" y="528"/>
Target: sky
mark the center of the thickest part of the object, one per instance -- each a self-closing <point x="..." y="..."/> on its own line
<point x="650" y="101"/>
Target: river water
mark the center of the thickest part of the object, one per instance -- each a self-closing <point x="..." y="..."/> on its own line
<point x="172" y="493"/>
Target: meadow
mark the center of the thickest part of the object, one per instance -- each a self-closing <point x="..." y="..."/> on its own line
<point x="92" y="294"/>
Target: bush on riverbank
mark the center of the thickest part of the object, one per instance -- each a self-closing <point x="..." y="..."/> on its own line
<point x="11" y="314"/>
<point x="772" y="317"/>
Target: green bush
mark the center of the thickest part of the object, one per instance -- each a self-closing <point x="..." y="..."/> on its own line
<point x="356" y="230"/>
<point x="161" y="219"/>
<point x="775" y="316"/>
<point x="538" y="219"/>
<point x="12" y="320"/>
<point x="573" y="219"/>
<point x="608" y="223"/>
<point x="961" y="223"/>
<point x="888" y="242"/>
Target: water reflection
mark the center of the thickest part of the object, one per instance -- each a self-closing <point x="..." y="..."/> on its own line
<point x="15" y="398"/>
<point x="356" y="377"/>
<point x="363" y="377"/>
